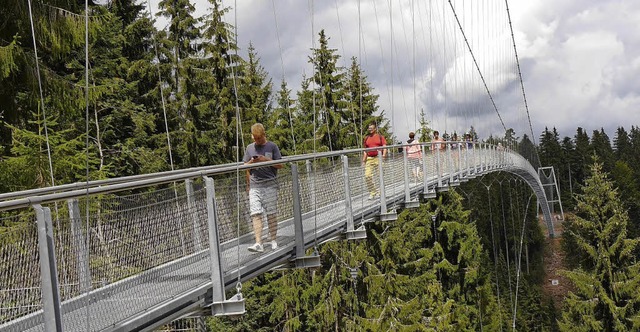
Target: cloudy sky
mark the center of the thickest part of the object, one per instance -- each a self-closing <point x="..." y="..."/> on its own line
<point x="580" y="59"/>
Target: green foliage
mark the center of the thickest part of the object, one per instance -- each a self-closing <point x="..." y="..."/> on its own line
<point x="412" y="275"/>
<point x="607" y="279"/>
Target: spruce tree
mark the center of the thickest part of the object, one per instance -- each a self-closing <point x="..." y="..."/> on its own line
<point x="182" y="44"/>
<point x="280" y="121"/>
<point x="221" y="84"/>
<point x="362" y="106"/>
<point x="622" y="145"/>
<point x="331" y="110"/>
<point x="634" y="137"/>
<point x="606" y="282"/>
<point x="629" y="189"/>
<point x="254" y="93"/>
<point x="528" y="150"/>
<point x="581" y="156"/>
<point x="566" y="176"/>
<point x="601" y="146"/>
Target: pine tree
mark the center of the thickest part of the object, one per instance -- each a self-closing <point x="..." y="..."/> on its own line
<point x="254" y="93"/>
<point x="59" y="32"/>
<point x="331" y="108"/>
<point x="629" y="189"/>
<point x="280" y="121"/>
<point x="566" y="176"/>
<point x="305" y="121"/>
<point x="510" y="139"/>
<point x="581" y="157"/>
<point x="550" y="150"/>
<point x="425" y="130"/>
<point x="182" y="46"/>
<point x="362" y="106"/>
<point x="622" y="145"/>
<point x="528" y="151"/>
<point x="601" y="146"/>
<point x="634" y="137"/>
<point x="606" y="283"/>
<point x="218" y="119"/>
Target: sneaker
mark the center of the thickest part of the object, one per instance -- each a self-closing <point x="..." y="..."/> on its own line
<point x="274" y="245"/>
<point x="257" y="247"/>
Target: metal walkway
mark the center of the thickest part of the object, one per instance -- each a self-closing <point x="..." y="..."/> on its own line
<point x="135" y="253"/>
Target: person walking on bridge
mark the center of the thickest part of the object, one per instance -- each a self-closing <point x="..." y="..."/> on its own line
<point x="370" y="158"/>
<point x="414" y="155"/>
<point x="262" y="185"/>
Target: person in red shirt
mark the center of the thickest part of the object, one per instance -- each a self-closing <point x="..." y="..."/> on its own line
<point x="370" y="158"/>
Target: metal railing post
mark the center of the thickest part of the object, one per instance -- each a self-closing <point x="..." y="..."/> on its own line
<point x="79" y="245"/>
<point x="407" y="190"/>
<point x="220" y="306"/>
<point x="301" y="260"/>
<point x="383" y="196"/>
<point x="48" y="270"/>
<point x="352" y="234"/>
<point x="426" y="193"/>
<point x="452" y="167"/>
<point x="438" y="168"/>
<point x="385" y="215"/>
<point x="188" y="184"/>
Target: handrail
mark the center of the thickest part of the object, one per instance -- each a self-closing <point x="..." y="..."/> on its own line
<point x="51" y="194"/>
<point x="93" y="183"/>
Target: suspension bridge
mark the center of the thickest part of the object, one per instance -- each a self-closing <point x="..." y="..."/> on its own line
<point x="162" y="246"/>
<point x="136" y="252"/>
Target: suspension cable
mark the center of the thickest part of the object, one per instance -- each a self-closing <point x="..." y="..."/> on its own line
<point x="238" y="136"/>
<point x="160" y="84"/>
<point x="506" y="243"/>
<point x="349" y="88"/>
<point x="493" y="247"/>
<point x="46" y="131"/>
<point x="477" y="66"/>
<point x="275" y="18"/>
<point x="313" y="86"/>
<point x="44" y="113"/>
<point x="515" y="305"/>
<point x="524" y="96"/>
<point x="86" y="99"/>
<point x="361" y="141"/>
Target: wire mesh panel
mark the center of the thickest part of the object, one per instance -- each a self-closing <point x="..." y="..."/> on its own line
<point x="135" y="251"/>
<point x="233" y="218"/>
<point x="20" y="284"/>
<point x="191" y="324"/>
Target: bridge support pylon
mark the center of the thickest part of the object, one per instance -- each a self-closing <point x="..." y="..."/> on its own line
<point x="551" y="188"/>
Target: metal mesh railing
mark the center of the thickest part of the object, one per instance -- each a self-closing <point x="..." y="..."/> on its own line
<point x="149" y="245"/>
<point x="20" y="285"/>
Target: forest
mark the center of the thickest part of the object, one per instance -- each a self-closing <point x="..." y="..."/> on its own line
<point x="155" y="100"/>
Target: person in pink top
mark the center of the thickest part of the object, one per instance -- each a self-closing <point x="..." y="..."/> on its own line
<point x="414" y="154"/>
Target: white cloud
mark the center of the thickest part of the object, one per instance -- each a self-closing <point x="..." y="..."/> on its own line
<point x="580" y="62"/>
<point x="580" y="59"/>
